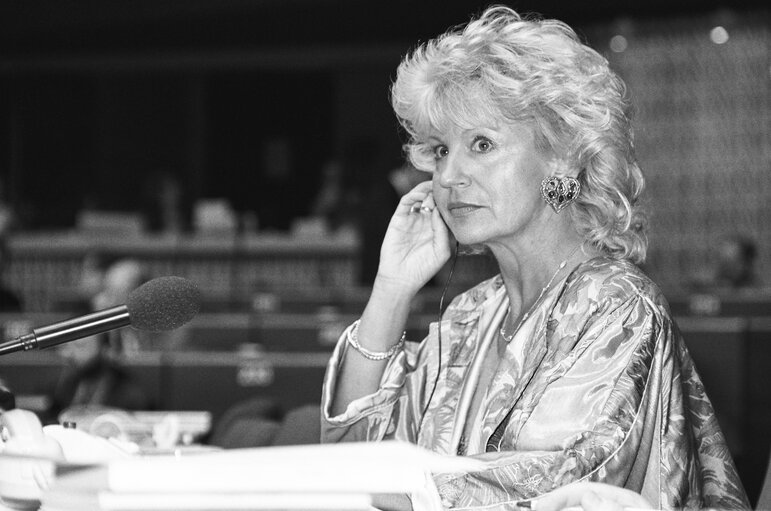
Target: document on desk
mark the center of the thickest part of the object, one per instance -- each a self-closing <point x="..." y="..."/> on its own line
<point x="67" y="500"/>
<point x="330" y="476"/>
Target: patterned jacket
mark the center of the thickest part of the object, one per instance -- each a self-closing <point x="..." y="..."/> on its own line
<point x="597" y="386"/>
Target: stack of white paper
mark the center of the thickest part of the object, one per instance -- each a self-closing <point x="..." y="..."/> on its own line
<point x="337" y="476"/>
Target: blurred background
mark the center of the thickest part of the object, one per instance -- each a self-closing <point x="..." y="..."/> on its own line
<point x="250" y="146"/>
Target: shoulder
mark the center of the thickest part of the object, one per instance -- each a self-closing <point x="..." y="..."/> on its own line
<point x="608" y="304"/>
<point x="610" y="282"/>
<point x="603" y="290"/>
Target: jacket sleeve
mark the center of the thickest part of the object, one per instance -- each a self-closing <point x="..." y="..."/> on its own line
<point x="391" y="412"/>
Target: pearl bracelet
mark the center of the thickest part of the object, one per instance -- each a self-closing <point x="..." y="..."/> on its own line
<point x="352" y="336"/>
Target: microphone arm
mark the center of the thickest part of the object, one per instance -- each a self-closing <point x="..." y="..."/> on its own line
<point x="69" y="330"/>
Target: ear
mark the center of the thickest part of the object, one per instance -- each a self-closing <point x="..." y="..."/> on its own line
<point x="561" y="167"/>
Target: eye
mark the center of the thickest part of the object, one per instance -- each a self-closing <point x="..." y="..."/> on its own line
<point x="440" y="151"/>
<point x="482" y="145"/>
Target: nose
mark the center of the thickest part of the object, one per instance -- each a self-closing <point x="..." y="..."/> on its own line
<point x="451" y="173"/>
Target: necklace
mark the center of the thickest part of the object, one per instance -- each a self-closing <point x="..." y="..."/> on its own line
<point x="509" y="337"/>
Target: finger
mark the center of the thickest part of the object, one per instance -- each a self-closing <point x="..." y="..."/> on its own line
<point x="572" y="494"/>
<point x="441" y="232"/>
<point x="413" y="200"/>
<point x="593" y="502"/>
<point x="420" y="188"/>
<point x="429" y="202"/>
<point x="42" y="474"/>
<point x="419" y="208"/>
<point x="560" y="498"/>
<point x="626" y="498"/>
<point x="426" y="205"/>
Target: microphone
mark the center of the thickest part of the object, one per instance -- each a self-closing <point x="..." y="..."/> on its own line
<point x="159" y="305"/>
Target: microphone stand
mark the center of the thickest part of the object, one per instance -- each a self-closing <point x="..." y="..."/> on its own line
<point x="69" y="330"/>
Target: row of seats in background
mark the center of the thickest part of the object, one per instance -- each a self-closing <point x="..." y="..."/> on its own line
<point x="745" y="302"/>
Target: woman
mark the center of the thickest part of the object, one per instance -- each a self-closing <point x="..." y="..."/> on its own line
<point x="567" y="366"/>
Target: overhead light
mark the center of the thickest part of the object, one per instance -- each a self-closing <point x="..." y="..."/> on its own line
<point x="718" y="35"/>
<point x="618" y="43"/>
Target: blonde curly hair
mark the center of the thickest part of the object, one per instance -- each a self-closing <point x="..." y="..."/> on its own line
<point x="502" y="66"/>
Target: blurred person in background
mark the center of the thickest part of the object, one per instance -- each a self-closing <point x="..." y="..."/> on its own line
<point x="566" y="367"/>
<point x="732" y="269"/>
<point x="7" y="398"/>
<point x="95" y="374"/>
<point x="330" y="203"/>
<point x="8" y="217"/>
<point x="163" y="203"/>
<point x="9" y="300"/>
<point x="735" y="266"/>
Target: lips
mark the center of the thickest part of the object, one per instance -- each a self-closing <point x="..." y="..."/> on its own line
<point x="462" y="208"/>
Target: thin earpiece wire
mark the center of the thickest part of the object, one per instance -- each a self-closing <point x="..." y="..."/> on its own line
<point x="439" y="333"/>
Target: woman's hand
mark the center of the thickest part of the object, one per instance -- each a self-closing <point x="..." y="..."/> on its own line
<point x="414" y="248"/>
<point x="417" y="242"/>
<point x="590" y="497"/>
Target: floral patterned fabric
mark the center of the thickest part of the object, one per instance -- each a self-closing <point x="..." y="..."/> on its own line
<point x="597" y="385"/>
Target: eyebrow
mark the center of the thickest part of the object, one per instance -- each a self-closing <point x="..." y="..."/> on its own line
<point x="494" y="128"/>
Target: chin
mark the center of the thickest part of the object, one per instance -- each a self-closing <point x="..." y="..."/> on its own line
<point x="469" y="237"/>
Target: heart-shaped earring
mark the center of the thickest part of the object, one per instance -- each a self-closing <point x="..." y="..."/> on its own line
<point x="559" y="192"/>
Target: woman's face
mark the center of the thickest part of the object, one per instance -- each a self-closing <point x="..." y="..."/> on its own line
<point x="487" y="182"/>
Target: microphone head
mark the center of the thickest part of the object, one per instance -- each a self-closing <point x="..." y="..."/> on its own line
<point x="163" y="304"/>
